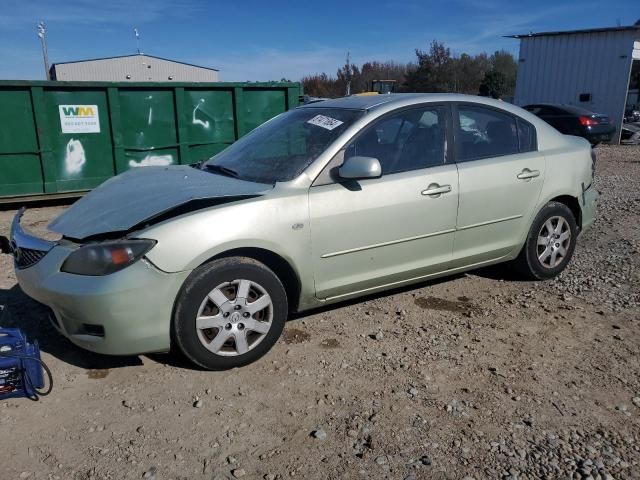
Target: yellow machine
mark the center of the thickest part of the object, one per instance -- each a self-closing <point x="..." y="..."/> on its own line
<point x="377" y="87"/>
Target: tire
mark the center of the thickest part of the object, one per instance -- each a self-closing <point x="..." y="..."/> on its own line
<point x="229" y="313"/>
<point x="549" y="259"/>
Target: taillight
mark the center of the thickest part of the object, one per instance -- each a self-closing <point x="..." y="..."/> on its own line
<point x="587" y="121"/>
<point x="593" y="165"/>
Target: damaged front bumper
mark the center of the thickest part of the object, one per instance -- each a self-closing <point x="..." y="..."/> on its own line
<point x="124" y="313"/>
<point x="27" y="250"/>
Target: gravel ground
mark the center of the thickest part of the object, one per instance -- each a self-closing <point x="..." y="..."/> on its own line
<point x="476" y="376"/>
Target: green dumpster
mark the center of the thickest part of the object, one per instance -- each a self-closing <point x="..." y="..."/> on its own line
<point x="64" y="138"/>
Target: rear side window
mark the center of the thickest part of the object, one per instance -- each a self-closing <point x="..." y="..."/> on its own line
<point x="526" y="136"/>
<point x="486" y="132"/>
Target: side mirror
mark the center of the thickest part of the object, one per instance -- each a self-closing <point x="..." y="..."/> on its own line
<point x="356" y="168"/>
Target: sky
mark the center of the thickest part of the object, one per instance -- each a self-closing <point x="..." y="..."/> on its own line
<point x="251" y="40"/>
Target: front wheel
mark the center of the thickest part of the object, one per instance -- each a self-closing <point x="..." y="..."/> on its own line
<point x="550" y="243"/>
<point x="229" y="313"/>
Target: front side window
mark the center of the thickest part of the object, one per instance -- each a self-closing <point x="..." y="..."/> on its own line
<point x="409" y="140"/>
<point x="484" y="132"/>
<point x="282" y="148"/>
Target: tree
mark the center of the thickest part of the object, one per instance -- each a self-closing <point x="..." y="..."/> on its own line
<point x="503" y="62"/>
<point x="374" y="70"/>
<point x="468" y="72"/>
<point x="434" y="72"/>
<point x="321" y="85"/>
<point x="348" y="73"/>
<point x="494" y="84"/>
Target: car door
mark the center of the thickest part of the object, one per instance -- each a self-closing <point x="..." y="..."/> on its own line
<point x="500" y="176"/>
<point x="383" y="231"/>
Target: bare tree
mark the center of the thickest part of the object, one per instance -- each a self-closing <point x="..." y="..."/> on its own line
<point x="435" y="70"/>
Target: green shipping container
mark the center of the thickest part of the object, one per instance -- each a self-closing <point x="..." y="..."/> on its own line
<point x="64" y="138"/>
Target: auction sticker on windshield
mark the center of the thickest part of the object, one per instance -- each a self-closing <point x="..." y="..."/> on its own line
<point x="325" y="122"/>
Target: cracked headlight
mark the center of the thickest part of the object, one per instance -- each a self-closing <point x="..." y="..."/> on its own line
<point x="104" y="258"/>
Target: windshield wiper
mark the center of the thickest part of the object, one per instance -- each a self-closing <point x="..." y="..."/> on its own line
<point x="222" y="170"/>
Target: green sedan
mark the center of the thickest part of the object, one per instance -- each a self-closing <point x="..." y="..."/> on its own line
<point x="326" y="202"/>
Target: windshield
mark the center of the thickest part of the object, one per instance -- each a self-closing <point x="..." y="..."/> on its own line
<point x="280" y="149"/>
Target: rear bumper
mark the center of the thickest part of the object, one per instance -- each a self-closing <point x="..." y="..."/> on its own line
<point x="589" y="205"/>
<point x="599" y="133"/>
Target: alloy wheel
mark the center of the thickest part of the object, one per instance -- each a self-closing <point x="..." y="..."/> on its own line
<point x="554" y="240"/>
<point x="234" y="317"/>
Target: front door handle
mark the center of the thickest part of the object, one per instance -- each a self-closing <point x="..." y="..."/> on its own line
<point x="436" y="190"/>
<point x="527" y="174"/>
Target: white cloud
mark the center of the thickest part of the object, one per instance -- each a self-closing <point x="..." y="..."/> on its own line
<point x="265" y="64"/>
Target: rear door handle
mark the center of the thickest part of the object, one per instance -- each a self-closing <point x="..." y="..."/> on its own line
<point x="436" y="190"/>
<point x="527" y="174"/>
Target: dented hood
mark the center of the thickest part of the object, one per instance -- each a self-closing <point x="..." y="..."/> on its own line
<point x="140" y="194"/>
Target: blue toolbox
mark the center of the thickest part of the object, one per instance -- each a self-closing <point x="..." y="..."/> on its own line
<point x="21" y="369"/>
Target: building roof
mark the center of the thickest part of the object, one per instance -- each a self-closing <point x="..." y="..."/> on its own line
<point x="572" y="32"/>
<point x="134" y="55"/>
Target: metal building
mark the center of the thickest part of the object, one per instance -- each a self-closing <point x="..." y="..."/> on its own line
<point x="586" y="68"/>
<point x="134" y="68"/>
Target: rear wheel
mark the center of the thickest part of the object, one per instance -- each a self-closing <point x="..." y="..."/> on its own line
<point x="550" y="243"/>
<point x="229" y="313"/>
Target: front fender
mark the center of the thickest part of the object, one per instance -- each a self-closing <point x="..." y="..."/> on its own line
<point x="278" y="224"/>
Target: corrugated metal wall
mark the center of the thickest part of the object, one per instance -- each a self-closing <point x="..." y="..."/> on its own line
<point x="558" y="68"/>
<point x="134" y="68"/>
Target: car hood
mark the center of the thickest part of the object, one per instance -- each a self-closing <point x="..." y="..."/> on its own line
<point x="141" y="194"/>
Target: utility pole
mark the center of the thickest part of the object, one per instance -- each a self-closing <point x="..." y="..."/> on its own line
<point x="45" y="54"/>
<point x="137" y="34"/>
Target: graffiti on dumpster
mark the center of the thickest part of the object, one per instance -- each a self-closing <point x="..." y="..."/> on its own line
<point x="197" y="121"/>
<point x="74" y="158"/>
<point x="152" y="161"/>
<point x="150" y="119"/>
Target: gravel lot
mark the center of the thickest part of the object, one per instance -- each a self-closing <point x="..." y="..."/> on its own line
<point x="477" y="376"/>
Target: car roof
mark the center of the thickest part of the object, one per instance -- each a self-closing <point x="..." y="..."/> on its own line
<point x="369" y="102"/>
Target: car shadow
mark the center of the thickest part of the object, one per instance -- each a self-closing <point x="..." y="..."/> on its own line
<point x="17" y="310"/>
<point x="493" y="272"/>
<point x="175" y="359"/>
<point x="499" y="272"/>
<point x="32" y="318"/>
